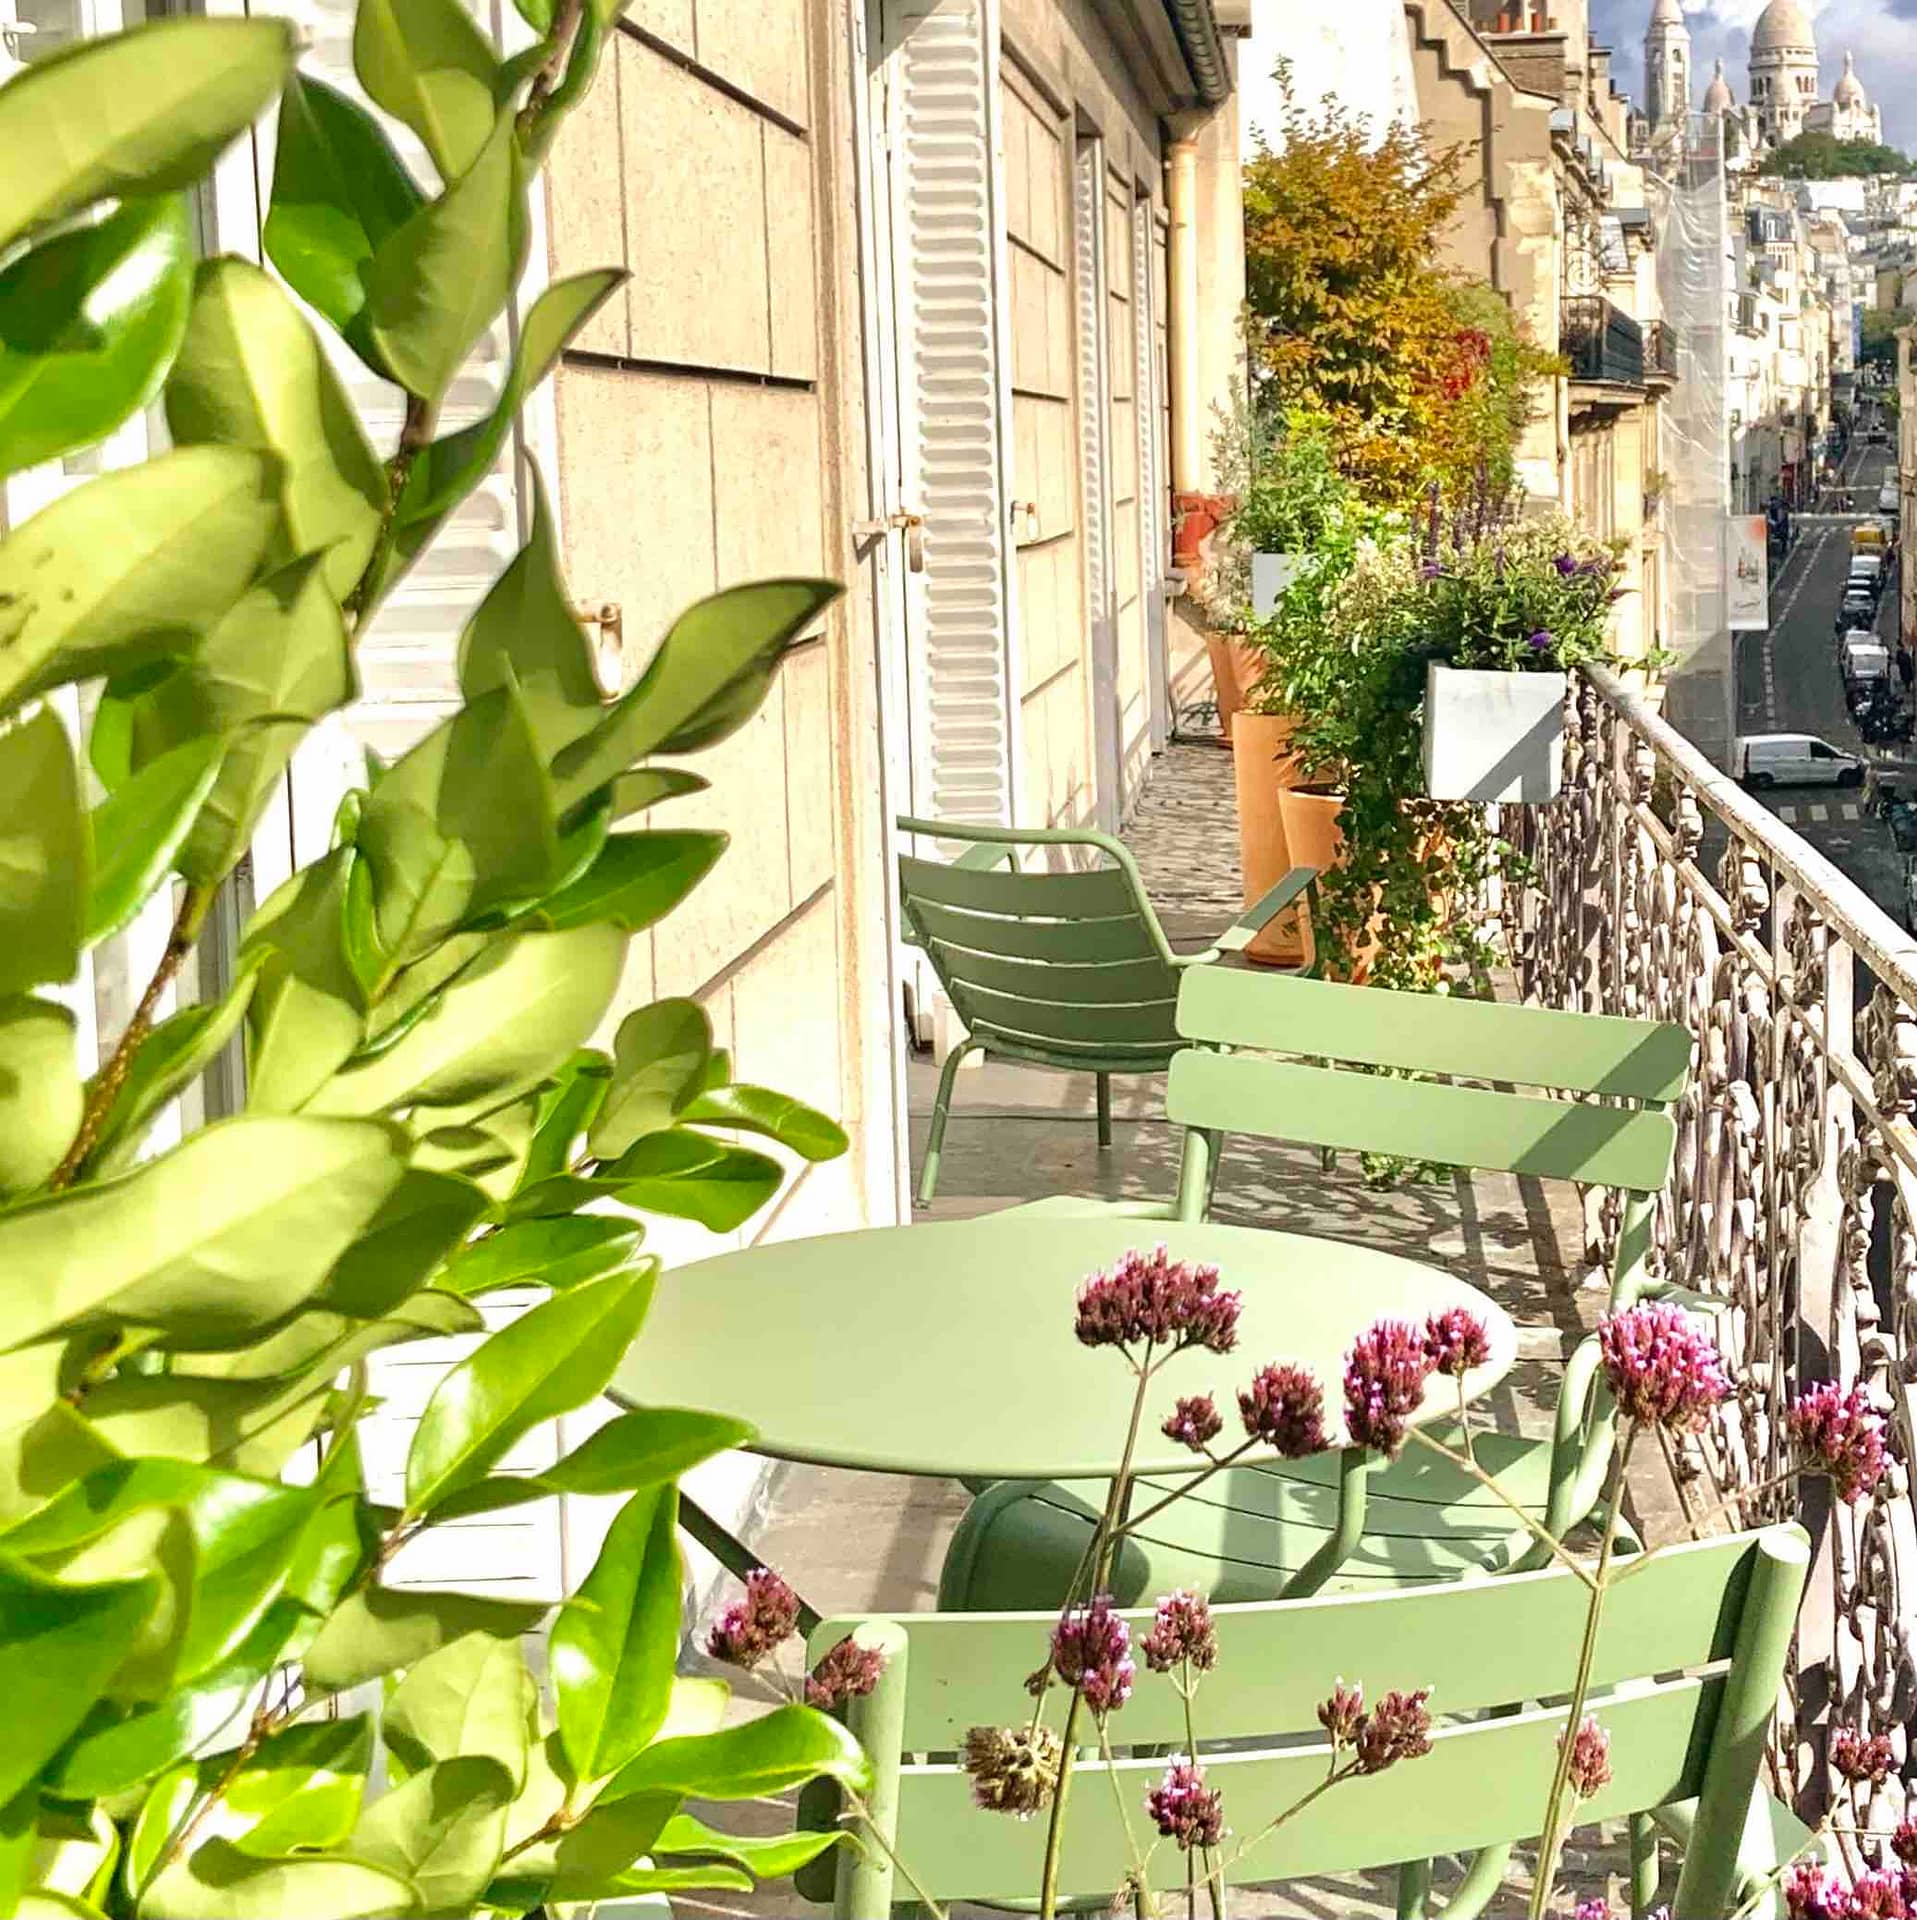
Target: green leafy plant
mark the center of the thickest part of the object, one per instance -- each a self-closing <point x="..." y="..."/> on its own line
<point x="208" y="1662"/>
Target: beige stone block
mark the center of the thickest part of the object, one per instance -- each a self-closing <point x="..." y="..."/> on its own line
<point x="585" y="205"/>
<point x="695" y="217"/>
<point x="670" y="20"/>
<point x="635" y="470"/>
<point x="766" y="481"/>
<point x="813" y="751"/>
<point x="760" y="46"/>
<point x="791" y="254"/>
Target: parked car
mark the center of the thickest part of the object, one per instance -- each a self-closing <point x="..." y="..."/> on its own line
<point x="1763" y="760"/>
<point x="1864" y="661"/>
<point x="1889" y="785"/>
<point x="1866" y="570"/>
<point x="1858" y="610"/>
<point x="1887" y="497"/>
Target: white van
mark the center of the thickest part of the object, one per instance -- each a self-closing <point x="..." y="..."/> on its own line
<point x="1887" y="497"/>
<point x="1763" y="760"/>
<point x="1866" y="568"/>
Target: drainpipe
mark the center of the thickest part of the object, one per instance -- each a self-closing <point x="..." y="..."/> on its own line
<point x="1194" y="512"/>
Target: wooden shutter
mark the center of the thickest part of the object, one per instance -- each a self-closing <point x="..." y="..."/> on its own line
<point x="1151" y="500"/>
<point x="1094" y="414"/>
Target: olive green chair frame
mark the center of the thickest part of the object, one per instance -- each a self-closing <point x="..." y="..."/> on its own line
<point x="1687" y="1669"/>
<point x="1060" y="969"/>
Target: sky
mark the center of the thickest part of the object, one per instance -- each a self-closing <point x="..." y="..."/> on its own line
<point x="1882" y="34"/>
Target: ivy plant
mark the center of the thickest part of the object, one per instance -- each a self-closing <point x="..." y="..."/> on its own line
<point x="222" y="1701"/>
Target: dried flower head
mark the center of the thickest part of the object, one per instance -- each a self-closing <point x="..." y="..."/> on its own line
<point x="1903" y="1843"/>
<point x="1397" y="1728"/>
<point x="1812" y="1892"/>
<point x="1879" y="1895"/>
<point x="1860" y="1756"/>
<point x="1590" y="1758"/>
<point x="1591" y="1910"/>
<point x="848" y="1672"/>
<point x="1662" y="1366"/>
<point x="1181" y="1632"/>
<point x="1455" y="1341"/>
<point x="1091" y="1650"/>
<point x="751" y="1628"/>
<point x="1343" y="1714"/>
<point x="1152" y="1299"/>
<point x="1184" y="1809"/>
<point x="1384" y="1382"/>
<point x="1837" y="1432"/>
<point x="1194" y="1422"/>
<point x="1285" y="1408"/>
<point x="1013" y="1769"/>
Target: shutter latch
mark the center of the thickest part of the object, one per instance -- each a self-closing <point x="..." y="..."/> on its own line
<point x="912" y="525"/>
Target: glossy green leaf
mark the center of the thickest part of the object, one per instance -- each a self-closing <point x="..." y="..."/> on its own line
<point x="429" y="66"/>
<point x="60" y="1644"/>
<point x="708" y="677"/>
<point x="425" y="1217"/>
<point x="302" y="1787"/>
<point x="777" y="1116"/>
<point x="773" y="1754"/>
<point x="660" y="1057"/>
<point x="176" y="1053"/>
<point x="501" y="1028"/>
<point x="645" y="787"/>
<point x="474" y="1696"/>
<point x="252" y="373"/>
<point x="555" y="1358"/>
<point x="567" y="1107"/>
<point x="138" y="829"/>
<point x="165" y="1806"/>
<point x="37" y="1905"/>
<point x="764" y="1856"/>
<point x="437" y="284"/>
<point x="218" y="1881"/>
<point x="339" y="192"/>
<point x="551" y="1253"/>
<point x="381" y="1629"/>
<point x="132" y="566"/>
<point x="489" y="1152"/>
<point x="444" y="1829"/>
<point x="43" y="1452"/>
<point x="639" y="1449"/>
<point x="247" y="1426"/>
<point x="133" y="113"/>
<point x="638" y="878"/>
<point x="40" y="1093"/>
<point x="451" y="467"/>
<point x="43" y="853"/>
<point x="311" y="1347"/>
<point x="208" y="1243"/>
<point x="414" y="991"/>
<point x="308" y="1009"/>
<point x="612" y="1644"/>
<point x="691" y="1177"/>
<point x="89" y="323"/>
<point x="75" y="1853"/>
<point x="340" y="1540"/>
<point x="583" y="1863"/>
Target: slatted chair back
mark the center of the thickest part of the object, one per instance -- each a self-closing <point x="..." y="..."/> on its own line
<point x="1346" y="1084"/>
<point x="1069" y="968"/>
<point x="1694" y="1642"/>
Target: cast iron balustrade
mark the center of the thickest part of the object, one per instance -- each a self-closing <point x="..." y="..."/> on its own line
<point x="1660" y="352"/>
<point x="1602" y="342"/>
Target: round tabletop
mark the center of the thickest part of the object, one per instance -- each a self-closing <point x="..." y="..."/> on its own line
<point x="948" y="1348"/>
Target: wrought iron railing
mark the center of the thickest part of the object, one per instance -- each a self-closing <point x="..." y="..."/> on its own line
<point x="1660" y="352"/>
<point x="1601" y="341"/>
<point x="1657" y="888"/>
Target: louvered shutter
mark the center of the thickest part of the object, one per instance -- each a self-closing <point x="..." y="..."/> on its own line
<point x="1094" y="464"/>
<point x="1151" y="503"/>
<point x="941" y="109"/>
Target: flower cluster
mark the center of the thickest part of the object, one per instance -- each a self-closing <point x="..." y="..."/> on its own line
<point x="1455" y="1341"/>
<point x="1194" y="1422"/>
<point x="1013" y="1769"/>
<point x="1384" y="1382"/>
<point x="1343" y="1714"/>
<point x="1837" y="1432"/>
<point x="1181" y="1633"/>
<point x="1601" y="1910"/>
<point x="1859" y="1756"/>
<point x="1662" y="1367"/>
<point x="1150" y="1299"/>
<point x="1184" y="1809"/>
<point x="1812" y="1892"/>
<point x="1092" y="1651"/>
<point x="848" y="1672"/>
<point x="1397" y="1728"/>
<point x="1590" y="1759"/>
<point x="1284" y="1407"/>
<point x="751" y="1628"/>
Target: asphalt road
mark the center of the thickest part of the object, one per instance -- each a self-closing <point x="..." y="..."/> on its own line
<point x="1787" y="682"/>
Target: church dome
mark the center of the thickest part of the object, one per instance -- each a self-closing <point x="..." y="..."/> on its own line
<point x="1667" y="13"/>
<point x="1717" y="96"/>
<point x="1783" y="27"/>
<point x="1849" y="91"/>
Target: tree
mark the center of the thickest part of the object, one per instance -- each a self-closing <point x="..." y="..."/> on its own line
<point x="1881" y="328"/>
<point x="1822" y="156"/>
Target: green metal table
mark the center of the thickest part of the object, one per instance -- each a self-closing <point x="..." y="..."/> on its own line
<point x="947" y="1349"/>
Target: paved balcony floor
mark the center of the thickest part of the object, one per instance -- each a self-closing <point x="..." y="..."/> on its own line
<point x="865" y="1541"/>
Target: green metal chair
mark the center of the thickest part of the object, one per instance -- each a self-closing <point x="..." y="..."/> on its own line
<point x="1351" y="1521"/>
<point x="1069" y="970"/>
<point x="1686" y="1678"/>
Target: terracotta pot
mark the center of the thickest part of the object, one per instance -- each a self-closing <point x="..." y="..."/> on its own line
<point x="1314" y="837"/>
<point x="1235" y="670"/>
<point x="1264" y="766"/>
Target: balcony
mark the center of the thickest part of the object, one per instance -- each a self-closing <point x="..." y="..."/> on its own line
<point x="1660" y="354"/>
<point x="1605" y="349"/>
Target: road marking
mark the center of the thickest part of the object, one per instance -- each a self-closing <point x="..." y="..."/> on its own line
<point x="1819" y="813"/>
<point x="1788" y="815"/>
<point x="1850" y="810"/>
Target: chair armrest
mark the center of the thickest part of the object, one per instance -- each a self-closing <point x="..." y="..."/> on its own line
<point x="983" y="856"/>
<point x="1298" y="883"/>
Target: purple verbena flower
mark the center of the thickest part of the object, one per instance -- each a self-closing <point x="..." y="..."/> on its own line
<point x="1565" y="565"/>
<point x="1184" y="1809"/>
<point x="1384" y="1382"/>
<point x="1903" y="1843"/>
<point x="1455" y="1341"/>
<point x="1878" y="1895"/>
<point x="1590" y="1758"/>
<point x="1838" y="1433"/>
<point x="848" y="1672"/>
<point x="1860" y="1756"/>
<point x="1591" y="1910"/>
<point x="1540" y="641"/>
<point x="1343" y="1714"/>
<point x="1430" y="570"/>
<point x="1013" y="1769"/>
<point x="1091" y="1650"/>
<point x="1181" y="1631"/>
<point x="1397" y="1728"/>
<point x="1152" y="1299"/>
<point x="1194" y="1422"/>
<point x="1812" y="1892"/>
<point x="1662" y="1367"/>
<point x="1284" y="1407"/>
<point x="751" y="1628"/>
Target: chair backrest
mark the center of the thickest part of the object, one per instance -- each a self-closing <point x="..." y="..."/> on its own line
<point x="1693" y="1642"/>
<point x="1057" y="964"/>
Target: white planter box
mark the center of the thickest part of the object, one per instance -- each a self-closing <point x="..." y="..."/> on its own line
<point x="1492" y="736"/>
<point x="1269" y="574"/>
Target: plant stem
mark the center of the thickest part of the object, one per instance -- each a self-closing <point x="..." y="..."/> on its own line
<point x="1218" y="1464"/>
<point x="559" y="44"/>
<point x="195" y="904"/>
<point x="415" y="435"/>
<point x="1337" y="1775"/>
<point x="1214" y="1875"/>
<point x="1538" y="1531"/>
<point x="1147" y="1906"/>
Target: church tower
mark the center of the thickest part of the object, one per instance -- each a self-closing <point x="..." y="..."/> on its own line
<point x="1667" y="69"/>
<point x="1783" y="71"/>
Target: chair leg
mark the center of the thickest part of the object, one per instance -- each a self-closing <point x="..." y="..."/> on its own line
<point x="941" y="1108"/>
<point x="1643" y="1865"/>
<point x="1414" y="1890"/>
<point x="1104" y="1109"/>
